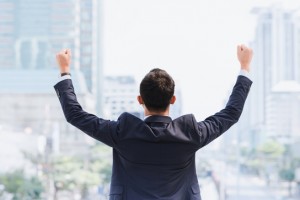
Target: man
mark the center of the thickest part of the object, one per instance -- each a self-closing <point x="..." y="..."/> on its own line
<point x="154" y="158"/>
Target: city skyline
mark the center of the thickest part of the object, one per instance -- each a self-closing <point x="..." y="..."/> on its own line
<point x="114" y="44"/>
<point x="194" y="63"/>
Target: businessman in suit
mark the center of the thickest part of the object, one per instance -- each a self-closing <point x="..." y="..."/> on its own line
<point x="154" y="158"/>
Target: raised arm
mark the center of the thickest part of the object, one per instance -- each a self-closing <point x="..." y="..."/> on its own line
<point x="100" y="129"/>
<point x="213" y="126"/>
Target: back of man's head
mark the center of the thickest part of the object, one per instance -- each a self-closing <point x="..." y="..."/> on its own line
<point x="157" y="89"/>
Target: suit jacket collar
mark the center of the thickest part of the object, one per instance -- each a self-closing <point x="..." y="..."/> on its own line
<point x="158" y="118"/>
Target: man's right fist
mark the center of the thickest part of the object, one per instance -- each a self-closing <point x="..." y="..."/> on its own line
<point x="244" y="55"/>
<point x="63" y="59"/>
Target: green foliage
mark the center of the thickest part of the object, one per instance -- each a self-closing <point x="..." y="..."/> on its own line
<point x="254" y="166"/>
<point x="271" y="149"/>
<point x="106" y="172"/>
<point x="265" y="158"/>
<point x="101" y="162"/>
<point x="71" y="173"/>
<point x="21" y="187"/>
<point x="245" y="151"/>
<point x="287" y="174"/>
<point x="295" y="163"/>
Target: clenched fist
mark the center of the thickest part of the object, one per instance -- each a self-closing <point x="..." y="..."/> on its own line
<point x="244" y="55"/>
<point x="63" y="59"/>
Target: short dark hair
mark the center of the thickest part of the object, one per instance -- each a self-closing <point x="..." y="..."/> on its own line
<point x="157" y="89"/>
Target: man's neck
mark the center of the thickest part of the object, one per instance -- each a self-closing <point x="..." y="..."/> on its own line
<point x="160" y="113"/>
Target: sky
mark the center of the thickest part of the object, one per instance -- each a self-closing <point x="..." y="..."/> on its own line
<point x="193" y="40"/>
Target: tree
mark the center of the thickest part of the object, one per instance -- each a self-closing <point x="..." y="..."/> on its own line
<point x="71" y="174"/>
<point x="288" y="175"/>
<point x="75" y="174"/>
<point x="80" y="173"/>
<point x="101" y="162"/>
<point x="271" y="149"/>
<point x="268" y="158"/>
<point x="20" y="187"/>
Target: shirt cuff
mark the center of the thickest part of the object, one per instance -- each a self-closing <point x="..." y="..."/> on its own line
<point x="245" y="73"/>
<point x="63" y="78"/>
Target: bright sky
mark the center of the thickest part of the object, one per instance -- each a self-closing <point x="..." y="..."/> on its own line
<point x="194" y="40"/>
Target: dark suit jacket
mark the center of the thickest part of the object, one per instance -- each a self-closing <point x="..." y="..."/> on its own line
<point x="154" y="158"/>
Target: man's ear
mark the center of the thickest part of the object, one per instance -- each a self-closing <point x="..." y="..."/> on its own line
<point x="140" y="100"/>
<point x="173" y="99"/>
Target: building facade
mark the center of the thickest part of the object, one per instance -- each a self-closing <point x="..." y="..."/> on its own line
<point x="29" y="105"/>
<point x="32" y="31"/>
<point x="283" y="111"/>
<point x="276" y="62"/>
<point x="120" y="95"/>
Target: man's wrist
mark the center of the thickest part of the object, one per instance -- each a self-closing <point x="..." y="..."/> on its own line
<point x="245" y="73"/>
<point x="64" y="69"/>
<point x="245" y="67"/>
<point x="65" y="73"/>
<point x="61" y="78"/>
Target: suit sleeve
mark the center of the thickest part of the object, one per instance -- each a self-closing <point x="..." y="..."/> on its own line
<point x="100" y="129"/>
<point x="213" y="126"/>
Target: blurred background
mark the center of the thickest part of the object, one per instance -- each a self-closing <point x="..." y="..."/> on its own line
<point x="114" y="44"/>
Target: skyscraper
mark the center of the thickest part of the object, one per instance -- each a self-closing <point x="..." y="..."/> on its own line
<point x="120" y="96"/>
<point x="90" y="47"/>
<point x="32" y="31"/>
<point x="283" y="111"/>
<point x="7" y="34"/>
<point x="276" y="36"/>
<point x="276" y="61"/>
